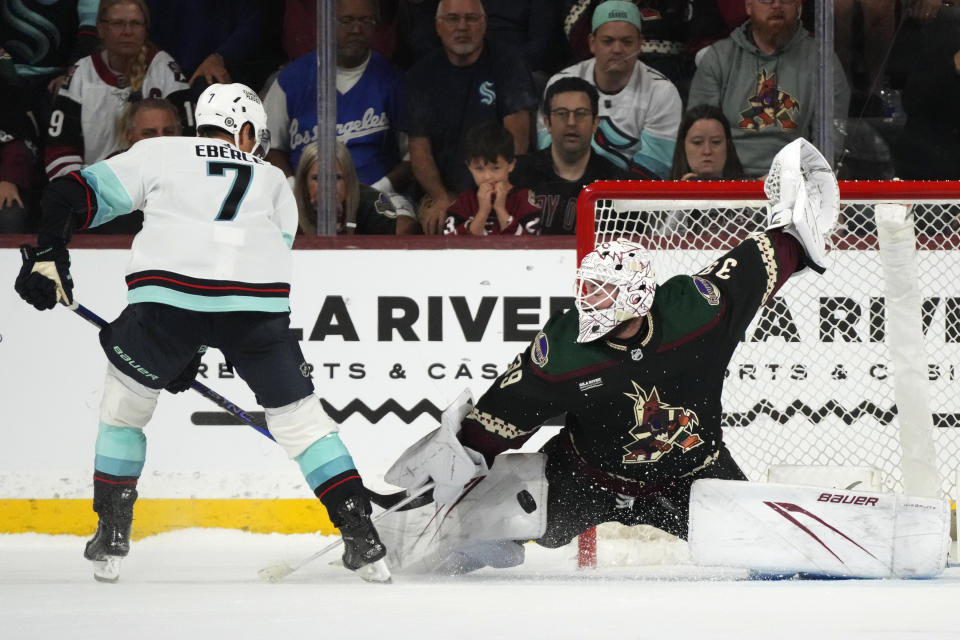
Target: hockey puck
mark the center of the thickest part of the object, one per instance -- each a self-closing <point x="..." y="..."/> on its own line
<point x="526" y="501"/>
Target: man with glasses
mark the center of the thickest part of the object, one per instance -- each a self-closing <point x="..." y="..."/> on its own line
<point x="557" y="174"/>
<point x="366" y="104"/>
<point x="639" y="109"/>
<point x="448" y="92"/>
<point x="764" y="78"/>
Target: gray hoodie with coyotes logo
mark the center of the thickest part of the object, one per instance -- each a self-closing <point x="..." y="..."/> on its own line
<point x="769" y="99"/>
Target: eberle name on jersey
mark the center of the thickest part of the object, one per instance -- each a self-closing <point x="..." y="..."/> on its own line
<point x="225" y="151"/>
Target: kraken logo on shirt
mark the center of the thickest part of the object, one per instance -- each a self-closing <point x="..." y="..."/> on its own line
<point x="613" y="143"/>
<point x="660" y="428"/>
<point x="488" y="93"/>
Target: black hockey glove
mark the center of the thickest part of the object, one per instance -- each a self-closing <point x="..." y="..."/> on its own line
<point x="183" y="381"/>
<point x="45" y="276"/>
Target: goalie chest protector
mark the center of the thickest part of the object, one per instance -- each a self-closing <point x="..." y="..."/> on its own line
<point x="646" y="408"/>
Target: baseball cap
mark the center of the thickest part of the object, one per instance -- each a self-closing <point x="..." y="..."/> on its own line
<point x="614" y="10"/>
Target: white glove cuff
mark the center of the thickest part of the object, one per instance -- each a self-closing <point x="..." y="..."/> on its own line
<point x="384" y="185"/>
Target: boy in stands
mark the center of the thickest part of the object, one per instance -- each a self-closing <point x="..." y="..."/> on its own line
<point x="495" y="207"/>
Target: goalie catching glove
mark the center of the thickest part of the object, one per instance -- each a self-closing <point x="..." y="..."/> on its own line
<point x="804" y="199"/>
<point x="439" y="456"/>
<point x="44" y="278"/>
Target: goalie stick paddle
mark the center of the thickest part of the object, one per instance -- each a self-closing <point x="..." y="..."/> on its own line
<point x="279" y="571"/>
<point x="384" y="501"/>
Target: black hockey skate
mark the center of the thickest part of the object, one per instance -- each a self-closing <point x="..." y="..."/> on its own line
<point x="111" y="542"/>
<point x="363" y="552"/>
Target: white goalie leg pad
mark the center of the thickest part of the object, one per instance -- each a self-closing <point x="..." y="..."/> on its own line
<point x="507" y="504"/>
<point x="804" y="198"/>
<point x="439" y="456"/>
<point x="298" y="425"/>
<point x="775" y="528"/>
<point x="828" y="476"/>
<point x="126" y="402"/>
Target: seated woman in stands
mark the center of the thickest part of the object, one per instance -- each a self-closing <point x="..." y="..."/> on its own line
<point x="704" y="149"/>
<point x="360" y="209"/>
<point x="83" y="125"/>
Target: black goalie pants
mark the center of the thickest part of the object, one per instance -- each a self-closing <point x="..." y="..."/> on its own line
<point x="575" y="503"/>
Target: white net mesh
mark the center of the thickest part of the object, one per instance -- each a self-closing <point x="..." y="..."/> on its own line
<point x="812" y="383"/>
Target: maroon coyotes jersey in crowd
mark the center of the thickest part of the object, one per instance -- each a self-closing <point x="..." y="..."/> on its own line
<point x="523" y="210"/>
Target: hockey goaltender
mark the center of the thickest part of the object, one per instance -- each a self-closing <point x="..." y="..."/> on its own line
<point x="637" y="369"/>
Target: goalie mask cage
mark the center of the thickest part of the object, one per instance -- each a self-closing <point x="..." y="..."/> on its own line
<point x="857" y="367"/>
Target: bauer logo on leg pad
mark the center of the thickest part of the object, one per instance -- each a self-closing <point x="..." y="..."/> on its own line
<point x="778" y="528"/>
<point x="847" y="499"/>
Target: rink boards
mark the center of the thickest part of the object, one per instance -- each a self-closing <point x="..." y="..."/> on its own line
<point x="391" y="337"/>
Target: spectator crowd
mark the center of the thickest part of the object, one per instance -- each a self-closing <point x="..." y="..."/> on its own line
<point x="480" y="117"/>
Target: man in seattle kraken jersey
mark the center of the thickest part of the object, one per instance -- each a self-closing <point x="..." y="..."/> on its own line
<point x="638" y="370"/>
<point x="210" y="267"/>
<point x="640" y="108"/>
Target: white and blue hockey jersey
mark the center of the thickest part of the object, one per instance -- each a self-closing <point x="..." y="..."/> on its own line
<point x="218" y="224"/>
<point x="638" y="125"/>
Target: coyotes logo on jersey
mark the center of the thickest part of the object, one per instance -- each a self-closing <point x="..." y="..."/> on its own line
<point x="659" y="429"/>
<point x="769" y="105"/>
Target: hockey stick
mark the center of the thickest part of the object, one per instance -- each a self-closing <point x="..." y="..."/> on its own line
<point x="384" y="501"/>
<point x="387" y="501"/>
<point x="279" y="571"/>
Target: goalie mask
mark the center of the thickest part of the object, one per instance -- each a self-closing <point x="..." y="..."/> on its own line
<point x="615" y="282"/>
<point x="229" y="107"/>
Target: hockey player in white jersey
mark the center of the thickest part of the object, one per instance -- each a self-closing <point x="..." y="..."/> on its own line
<point x="211" y="267"/>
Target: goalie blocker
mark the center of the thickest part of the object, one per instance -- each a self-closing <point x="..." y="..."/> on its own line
<point x="786" y="529"/>
<point x="484" y="526"/>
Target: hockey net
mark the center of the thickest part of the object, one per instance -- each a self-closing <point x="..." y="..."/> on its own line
<point x="855" y="368"/>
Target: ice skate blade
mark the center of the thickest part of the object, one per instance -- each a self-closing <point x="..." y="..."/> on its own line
<point x="107" y="570"/>
<point x="375" y="572"/>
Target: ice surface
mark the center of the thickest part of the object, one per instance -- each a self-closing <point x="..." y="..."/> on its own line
<point x="202" y="585"/>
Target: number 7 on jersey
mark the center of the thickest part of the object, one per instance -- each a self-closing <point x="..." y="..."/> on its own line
<point x="241" y="182"/>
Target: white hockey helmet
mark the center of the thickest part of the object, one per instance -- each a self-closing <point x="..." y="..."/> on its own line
<point x="615" y="282"/>
<point x="229" y="107"/>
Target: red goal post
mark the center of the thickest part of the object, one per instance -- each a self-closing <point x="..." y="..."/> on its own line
<point x="858" y="367"/>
